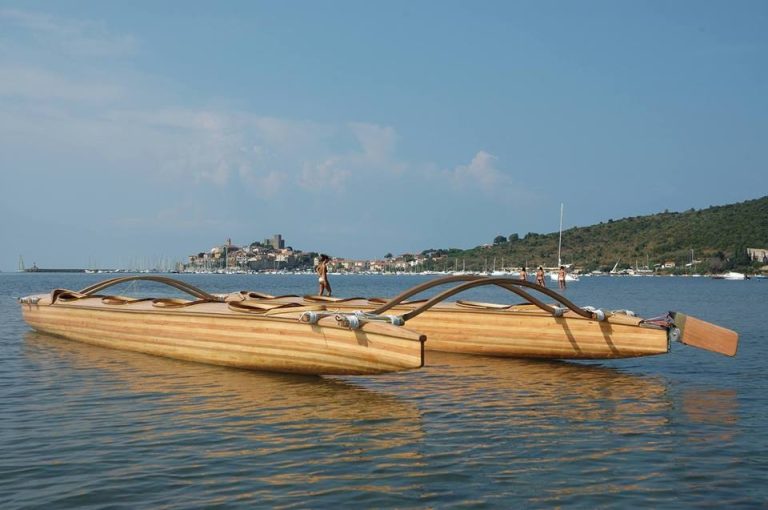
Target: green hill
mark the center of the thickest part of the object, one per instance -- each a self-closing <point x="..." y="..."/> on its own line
<point x="717" y="237"/>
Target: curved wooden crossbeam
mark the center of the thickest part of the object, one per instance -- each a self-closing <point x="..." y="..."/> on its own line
<point x="102" y="282"/>
<point x="469" y="285"/>
<point x="484" y="306"/>
<point x="177" y="284"/>
<point x="400" y="298"/>
<point x="472" y="281"/>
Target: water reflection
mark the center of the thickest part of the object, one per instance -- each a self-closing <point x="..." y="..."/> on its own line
<point x="534" y="388"/>
<point x="202" y="388"/>
<point x="545" y="433"/>
<point x="551" y="432"/>
<point x="709" y="406"/>
<point x="269" y="430"/>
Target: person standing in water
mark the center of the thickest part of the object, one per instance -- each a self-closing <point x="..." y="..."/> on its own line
<point x="523" y="274"/>
<point x="561" y="277"/>
<point x="540" y="277"/>
<point x="322" y="275"/>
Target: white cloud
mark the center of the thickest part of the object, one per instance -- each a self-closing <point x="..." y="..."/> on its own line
<point x="372" y="156"/>
<point x="78" y="114"/>
<point x="481" y="172"/>
<point x="67" y="36"/>
<point x="264" y="184"/>
<point x="202" y="147"/>
<point x="33" y="83"/>
<point x="170" y="118"/>
<point x="83" y="117"/>
<point x="186" y="214"/>
<point x="328" y="174"/>
<point x="377" y="142"/>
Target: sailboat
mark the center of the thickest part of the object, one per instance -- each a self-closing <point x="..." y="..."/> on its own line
<point x="553" y="275"/>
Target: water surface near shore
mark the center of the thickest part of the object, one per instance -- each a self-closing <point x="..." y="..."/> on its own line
<point x="87" y="427"/>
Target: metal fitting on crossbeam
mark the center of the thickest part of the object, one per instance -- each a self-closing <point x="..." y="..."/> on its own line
<point x="309" y="317"/>
<point x="348" y="321"/>
<point x="395" y="320"/>
<point x="597" y="314"/>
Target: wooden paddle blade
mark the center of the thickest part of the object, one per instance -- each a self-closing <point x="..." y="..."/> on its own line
<point x="706" y="335"/>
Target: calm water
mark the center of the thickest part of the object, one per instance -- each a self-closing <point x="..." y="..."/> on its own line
<point x="87" y="427"/>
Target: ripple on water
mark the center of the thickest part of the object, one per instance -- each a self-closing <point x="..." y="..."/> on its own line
<point x="89" y="427"/>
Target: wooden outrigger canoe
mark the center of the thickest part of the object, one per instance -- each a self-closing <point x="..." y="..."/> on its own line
<point x="532" y="329"/>
<point x="209" y="329"/>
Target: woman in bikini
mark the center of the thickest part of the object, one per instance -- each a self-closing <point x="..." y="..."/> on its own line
<point x="322" y="274"/>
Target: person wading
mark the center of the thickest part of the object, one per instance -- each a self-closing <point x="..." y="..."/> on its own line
<point x="322" y="275"/>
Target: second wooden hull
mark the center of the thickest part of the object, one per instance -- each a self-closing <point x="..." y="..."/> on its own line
<point x="536" y="335"/>
<point x="525" y="331"/>
<point x="210" y="334"/>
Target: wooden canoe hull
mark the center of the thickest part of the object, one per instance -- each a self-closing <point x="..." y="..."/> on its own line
<point x="216" y="336"/>
<point x="525" y="331"/>
<point x="536" y="335"/>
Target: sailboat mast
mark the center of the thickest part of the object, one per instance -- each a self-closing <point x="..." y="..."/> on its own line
<point x="560" y="242"/>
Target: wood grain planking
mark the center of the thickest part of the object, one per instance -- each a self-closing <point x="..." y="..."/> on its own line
<point x="311" y="350"/>
<point x="528" y="331"/>
<point x="322" y="361"/>
<point x="244" y="332"/>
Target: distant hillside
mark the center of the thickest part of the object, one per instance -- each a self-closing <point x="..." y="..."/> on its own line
<point x="718" y="236"/>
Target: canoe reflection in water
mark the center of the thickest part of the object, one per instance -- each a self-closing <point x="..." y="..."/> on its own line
<point x="252" y="413"/>
<point x="545" y="432"/>
<point x="536" y="390"/>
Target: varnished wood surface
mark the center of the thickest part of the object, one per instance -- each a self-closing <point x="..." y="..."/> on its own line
<point x="705" y="335"/>
<point x="536" y="335"/>
<point x="522" y="331"/>
<point x="212" y="333"/>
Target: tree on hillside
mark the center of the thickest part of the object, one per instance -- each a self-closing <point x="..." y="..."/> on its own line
<point x="740" y="258"/>
<point x="717" y="262"/>
<point x="719" y="236"/>
<point x="499" y="240"/>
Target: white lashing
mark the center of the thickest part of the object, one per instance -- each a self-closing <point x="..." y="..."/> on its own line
<point x="353" y="320"/>
<point x="598" y="314"/>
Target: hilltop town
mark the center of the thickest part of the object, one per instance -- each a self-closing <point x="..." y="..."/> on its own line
<point x="714" y="240"/>
<point x="272" y="255"/>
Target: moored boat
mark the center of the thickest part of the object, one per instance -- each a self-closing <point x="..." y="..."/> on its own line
<point x="569" y="277"/>
<point x="215" y="330"/>
<point x="554" y="274"/>
<point x="730" y="275"/>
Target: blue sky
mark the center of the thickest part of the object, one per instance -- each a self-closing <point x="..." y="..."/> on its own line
<point x="141" y="130"/>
